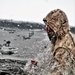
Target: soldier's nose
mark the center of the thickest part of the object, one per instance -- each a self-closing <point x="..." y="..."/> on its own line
<point x="44" y="20"/>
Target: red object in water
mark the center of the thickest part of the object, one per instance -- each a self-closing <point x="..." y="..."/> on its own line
<point x="34" y="62"/>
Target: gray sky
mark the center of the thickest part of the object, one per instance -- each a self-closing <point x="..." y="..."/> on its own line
<point x="35" y="10"/>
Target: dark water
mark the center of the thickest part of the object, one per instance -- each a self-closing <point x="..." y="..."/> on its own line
<point x="26" y="48"/>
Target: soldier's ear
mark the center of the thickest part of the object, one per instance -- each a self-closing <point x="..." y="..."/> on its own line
<point x="64" y="22"/>
<point x="65" y="25"/>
